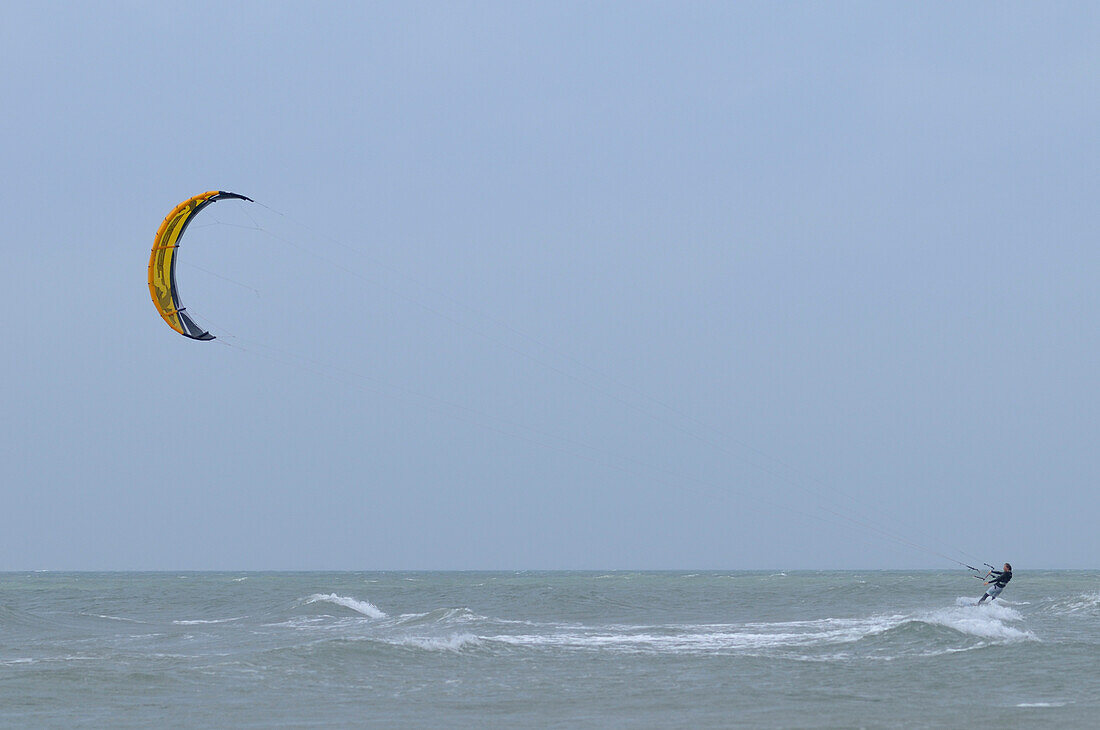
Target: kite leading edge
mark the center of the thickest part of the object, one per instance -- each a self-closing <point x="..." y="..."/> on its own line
<point x="162" y="263"/>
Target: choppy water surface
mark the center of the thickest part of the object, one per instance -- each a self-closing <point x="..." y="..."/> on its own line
<point x="721" y="649"/>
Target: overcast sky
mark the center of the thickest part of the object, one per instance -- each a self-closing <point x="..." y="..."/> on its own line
<point x="552" y="285"/>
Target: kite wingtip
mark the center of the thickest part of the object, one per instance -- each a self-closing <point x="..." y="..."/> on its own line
<point x="228" y="194"/>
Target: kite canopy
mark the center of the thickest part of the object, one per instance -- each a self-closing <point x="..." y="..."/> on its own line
<point x="162" y="263"/>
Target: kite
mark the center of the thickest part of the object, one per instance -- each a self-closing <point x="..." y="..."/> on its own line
<point x="162" y="263"/>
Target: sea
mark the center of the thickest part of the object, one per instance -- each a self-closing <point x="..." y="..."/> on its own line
<point x="722" y="649"/>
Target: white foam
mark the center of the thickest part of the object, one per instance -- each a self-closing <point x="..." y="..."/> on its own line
<point x="1083" y="602"/>
<point x="440" y="615"/>
<point x="115" y="618"/>
<point x="196" y="621"/>
<point x="1041" y="704"/>
<point x="709" y="638"/>
<point x="299" y="622"/>
<point x="987" y="621"/>
<point x="455" y="642"/>
<point x="365" y="608"/>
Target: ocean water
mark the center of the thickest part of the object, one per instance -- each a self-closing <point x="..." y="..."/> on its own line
<point x="548" y="649"/>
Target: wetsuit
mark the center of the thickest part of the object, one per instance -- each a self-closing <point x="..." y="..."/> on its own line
<point x="1000" y="579"/>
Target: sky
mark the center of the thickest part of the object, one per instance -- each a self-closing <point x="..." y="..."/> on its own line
<point x="552" y="286"/>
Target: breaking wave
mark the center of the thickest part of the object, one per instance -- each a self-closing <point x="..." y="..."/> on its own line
<point x="365" y="608"/>
<point x="892" y="635"/>
<point x="454" y="642"/>
<point x="929" y="632"/>
<point x="1083" y="603"/>
<point x="946" y="630"/>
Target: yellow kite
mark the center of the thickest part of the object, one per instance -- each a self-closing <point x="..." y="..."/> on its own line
<point x="162" y="263"/>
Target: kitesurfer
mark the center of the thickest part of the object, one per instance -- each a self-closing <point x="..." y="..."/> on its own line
<point x="997" y="580"/>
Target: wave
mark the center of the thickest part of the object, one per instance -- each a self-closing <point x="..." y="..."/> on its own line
<point x="455" y="642"/>
<point x="674" y="643"/>
<point x="707" y="638"/>
<point x="938" y="631"/>
<point x="440" y="615"/>
<point x="1081" y="603"/>
<point x="987" y="621"/>
<point x="17" y="660"/>
<point x="941" y="631"/>
<point x="366" y="608"/>
<point x="115" y="618"/>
